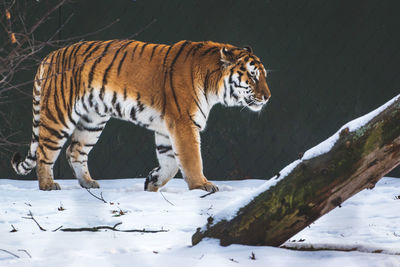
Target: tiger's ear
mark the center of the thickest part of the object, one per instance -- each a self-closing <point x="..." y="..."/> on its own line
<point x="227" y="57"/>
<point x="248" y="48"/>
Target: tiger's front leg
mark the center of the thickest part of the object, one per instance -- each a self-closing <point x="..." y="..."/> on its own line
<point x="185" y="139"/>
<point x="168" y="166"/>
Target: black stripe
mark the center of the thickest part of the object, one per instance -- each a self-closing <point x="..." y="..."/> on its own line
<point x="84" y="105"/>
<point x="35" y="103"/>
<point x="139" y="104"/>
<point x="205" y="87"/>
<point x="35" y="137"/>
<point x="133" y="114"/>
<point x="86" y="119"/>
<point x="71" y="93"/>
<point x="97" y="61"/>
<point x="90" y="145"/>
<point x="78" y="72"/>
<point x="125" y="93"/>
<point x="225" y="92"/>
<point x="35" y="124"/>
<point x="53" y="131"/>
<point x="46" y="162"/>
<point x="165" y="59"/>
<point x="127" y="43"/>
<point x="199" y="46"/>
<point x="209" y="50"/>
<point x="196" y="98"/>
<point x="121" y="62"/>
<point x="163" y="149"/>
<point x="60" y="114"/>
<point x="105" y="76"/>
<point x="54" y="148"/>
<point x="194" y="122"/>
<point x="81" y="152"/>
<point x="72" y="54"/>
<point x="171" y="72"/>
<point x="63" y="76"/>
<point x="45" y="139"/>
<point x="188" y="52"/>
<point x="152" y="52"/>
<point x="71" y="119"/>
<point x="118" y="108"/>
<point x="165" y="75"/>
<point x="48" y="73"/>
<point x="143" y="46"/>
<point x="23" y="166"/>
<point x="90" y="98"/>
<point x="114" y="99"/>
<point x="41" y="150"/>
<point x="198" y="105"/>
<point x="88" y="47"/>
<point x="133" y="51"/>
<point x="30" y="157"/>
<point x="90" y="129"/>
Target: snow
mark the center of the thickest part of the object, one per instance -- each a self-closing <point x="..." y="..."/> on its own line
<point x="366" y="223"/>
<point x="232" y="209"/>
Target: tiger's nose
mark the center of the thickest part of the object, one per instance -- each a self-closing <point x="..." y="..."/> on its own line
<point x="266" y="98"/>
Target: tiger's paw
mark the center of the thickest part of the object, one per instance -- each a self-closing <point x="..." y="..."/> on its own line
<point x="89" y="184"/>
<point x="206" y="186"/>
<point x="49" y="186"/>
<point x="210" y="187"/>
<point x="151" y="181"/>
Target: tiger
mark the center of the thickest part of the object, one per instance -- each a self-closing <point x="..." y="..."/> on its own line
<point x="168" y="89"/>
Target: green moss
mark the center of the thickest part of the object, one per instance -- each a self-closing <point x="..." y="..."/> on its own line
<point x="374" y="138"/>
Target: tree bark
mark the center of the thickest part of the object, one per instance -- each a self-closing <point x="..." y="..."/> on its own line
<point x="357" y="160"/>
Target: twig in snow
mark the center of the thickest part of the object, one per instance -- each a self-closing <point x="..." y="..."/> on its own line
<point x="206" y="195"/>
<point x="13" y="229"/>
<point x="113" y="228"/>
<point x="333" y="248"/>
<point x="27" y="253"/>
<point x="166" y="199"/>
<point x="233" y="260"/>
<point x="6" y="251"/>
<point x="32" y="218"/>
<point x="55" y="230"/>
<point x="99" y="198"/>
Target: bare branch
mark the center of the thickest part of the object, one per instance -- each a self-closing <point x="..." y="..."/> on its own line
<point x="27" y="253"/>
<point x="6" y="251"/>
<point x="99" y="198"/>
<point x="32" y="218"/>
<point x="166" y="199"/>
<point x="112" y="228"/>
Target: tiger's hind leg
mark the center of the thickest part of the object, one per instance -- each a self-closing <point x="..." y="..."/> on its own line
<point x="51" y="141"/>
<point x="168" y="166"/>
<point x="84" y="138"/>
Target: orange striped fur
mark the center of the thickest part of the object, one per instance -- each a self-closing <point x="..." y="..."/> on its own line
<point x="169" y="89"/>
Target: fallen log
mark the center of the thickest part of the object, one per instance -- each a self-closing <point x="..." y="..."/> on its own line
<point x="353" y="159"/>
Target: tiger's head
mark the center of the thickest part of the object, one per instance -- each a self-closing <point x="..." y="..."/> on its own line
<point x="244" y="79"/>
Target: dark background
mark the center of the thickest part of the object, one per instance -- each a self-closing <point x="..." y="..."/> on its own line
<point x="329" y="62"/>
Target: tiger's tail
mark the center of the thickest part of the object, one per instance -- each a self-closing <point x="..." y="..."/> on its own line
<point x="25" y="166"/>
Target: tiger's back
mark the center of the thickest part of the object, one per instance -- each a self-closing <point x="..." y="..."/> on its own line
<point x="168" y="89"/>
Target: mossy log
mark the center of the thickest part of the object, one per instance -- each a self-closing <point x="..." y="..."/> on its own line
<point x="357" y="160"/>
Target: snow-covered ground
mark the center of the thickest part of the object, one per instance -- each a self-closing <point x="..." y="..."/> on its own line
<point x="368" y="223"/>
